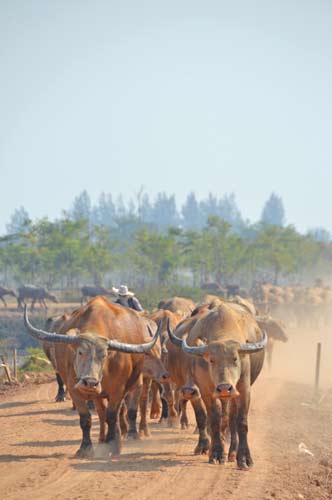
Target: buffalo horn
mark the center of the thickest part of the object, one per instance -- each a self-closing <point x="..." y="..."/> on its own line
<point x="252" y="347"/>
<point x="197" y="350"/>
<point x="175" y="340"/>
<point x="47" y="336"/>
<point x="115" y="345"/>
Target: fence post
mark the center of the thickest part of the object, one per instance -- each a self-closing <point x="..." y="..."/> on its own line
<point x="15" y="364"/>
<point x="317" y="371"/>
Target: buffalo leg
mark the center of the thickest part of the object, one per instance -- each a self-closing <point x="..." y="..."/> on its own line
<point x="101" y="410"/>
<point x="217" y="449"/>
<point x="113" y="437"/>
<point x="243" y="457"/>
<point x="143" y="404"/>
<point x="233" y="431"/>
<point x="86" y="449"/>
<point x="169" y="396"/>
<point x="203" y="444"/>
<point x="61" y="390"/>
<point x="132" y="405"/>
<point x="156" y="402"/>
<point x="124" y="424"/>
<point x="3" y="300"/>
<point x="43" y="304"/>
<point x="269" y="351"/>
<point x="184" y="417"/>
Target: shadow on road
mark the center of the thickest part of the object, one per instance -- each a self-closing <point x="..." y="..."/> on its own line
<point x="49" y="444"/>
<point x="22" y="458"/>
<point x="17" y="404"/>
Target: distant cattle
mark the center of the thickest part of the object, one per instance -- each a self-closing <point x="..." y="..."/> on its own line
<point x="35" y="293"/>
<point x="90" y="291"/>
<point x="6" y="291"/>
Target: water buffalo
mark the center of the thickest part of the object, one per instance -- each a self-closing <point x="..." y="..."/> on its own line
<point x="6" y="291"/>
<point x="230" y="348"/>
<point x="179" y="305"/>
<point x="104" y="356"/>
<point x="276" y="331"/>
<point x="55" y="354"/>
<point x="34" y="293"/>
<point x="89" y="291"/>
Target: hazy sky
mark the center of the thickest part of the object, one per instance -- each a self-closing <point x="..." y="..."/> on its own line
<point x="176" y="95"/>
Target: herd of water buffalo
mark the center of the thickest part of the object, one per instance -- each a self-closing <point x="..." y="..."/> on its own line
<point x="209" y="353"/>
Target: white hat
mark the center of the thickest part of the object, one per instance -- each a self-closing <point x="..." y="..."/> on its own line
<point x="123" y="291"/>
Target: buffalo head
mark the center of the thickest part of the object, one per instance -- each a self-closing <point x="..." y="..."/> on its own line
<point x="90" y="353"/>
<point x="224" y="358"/>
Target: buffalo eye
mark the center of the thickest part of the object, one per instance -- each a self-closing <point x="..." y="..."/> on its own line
<point x="212" y="361"/>
<point x="235" y="360"/>
<point x="80" y="353"/>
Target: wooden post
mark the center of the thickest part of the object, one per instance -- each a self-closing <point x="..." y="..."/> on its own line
<point x="15" y="364"/>
<point x="317" y="372"/>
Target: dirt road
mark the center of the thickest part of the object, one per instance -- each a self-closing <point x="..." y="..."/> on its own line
<point x="39" y="439"/>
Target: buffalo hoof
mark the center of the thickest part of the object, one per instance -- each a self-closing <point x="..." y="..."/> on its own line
<point x="155" y="415"/>
<point x="114" y="448"/>
<point x="86" y="452"/>
<point x="172" y="422"/>
<point x="102" y="451"/>
<point x="60" y="397"/>
<point x="155" y="412"/>
<point x="244" y="460"/>
<point x="202" y="447"/>
<point x="232" y="456"/>
<point x="184" y="423"/>
<point x="133" y="435"/>
<point x="217" y="456"/>
<point x="144" y="432"/>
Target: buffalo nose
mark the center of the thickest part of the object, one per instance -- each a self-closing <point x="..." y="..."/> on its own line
<point x="225" y="388"/>
<point x="165" y="376"/>
<point x="90" y="382"/>
<point x="189" y="391"/>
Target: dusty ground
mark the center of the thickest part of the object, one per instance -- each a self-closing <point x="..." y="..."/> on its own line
<point x="39" y="439"/>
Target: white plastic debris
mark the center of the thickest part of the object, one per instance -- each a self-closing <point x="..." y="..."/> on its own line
<point x="303" y="449"/>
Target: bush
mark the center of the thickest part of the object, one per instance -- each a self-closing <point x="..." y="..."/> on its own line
<point x="36" y="361"/>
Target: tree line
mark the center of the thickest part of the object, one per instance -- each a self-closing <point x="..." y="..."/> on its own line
<point x="80" y="248"/>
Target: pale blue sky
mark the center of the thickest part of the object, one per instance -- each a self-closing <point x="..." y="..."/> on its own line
<point x="174" y="95"/>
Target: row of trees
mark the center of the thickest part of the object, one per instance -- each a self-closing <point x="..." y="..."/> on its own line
<point x="71" y="251"/>
<point x="161" y="213"/>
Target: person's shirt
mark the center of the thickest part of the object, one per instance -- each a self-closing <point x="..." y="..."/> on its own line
<point x="131" y="302"/>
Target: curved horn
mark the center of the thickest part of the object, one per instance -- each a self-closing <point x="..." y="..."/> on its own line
<point x="197" y="350"/>
<point x="251" y="347"/>
<point x="47" y="336"/>
<point x="115" y="345"/>
<point x="175" y="340"/>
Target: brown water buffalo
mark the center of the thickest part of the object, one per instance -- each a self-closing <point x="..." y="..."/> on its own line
<point x="57" y="358"/>
<point x="230" y="347"/>
<point x="164" y="319"/>
<point x="6" y="291"/>
<point x="89" y="291"/>
<point x="104" y="359"/>
<point x="179" y="305"/>
<point x="276" y="331"/>
<point x="34" y="293"/>
<point x="181" y="367"/>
